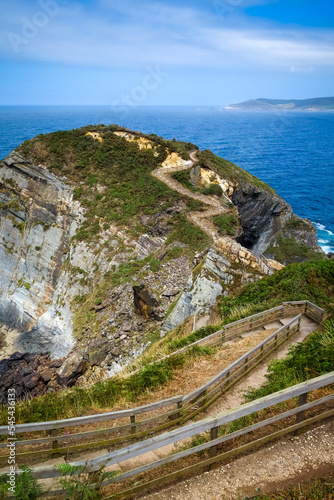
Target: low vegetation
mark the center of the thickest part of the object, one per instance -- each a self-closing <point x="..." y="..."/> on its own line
<point x="228" y="170"/>
<point x="112" y="177"/>
<point x="104" y="394"/>
<point x="312" y="281"/>
<point x="317" y="489"/>
<point x="305" y="361"/>
<point x="26" y="486"/>
<point x="227" y="223"/>
<point x="288" y="250"/>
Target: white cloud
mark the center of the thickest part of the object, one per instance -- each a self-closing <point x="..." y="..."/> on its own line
<point x="131" y="35"/>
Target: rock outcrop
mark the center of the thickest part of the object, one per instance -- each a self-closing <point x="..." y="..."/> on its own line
<point x="95" y="263"/>
<point x="29" y="374"/>
<point x="215" y="275"/>
<point x="262" y="215"/>
<point x="38" y="217"/>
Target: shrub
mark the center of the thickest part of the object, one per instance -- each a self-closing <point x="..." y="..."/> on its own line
<point x="227" y="223"/>
<point x="26" y="486"/>
<point x="213" y="190"/>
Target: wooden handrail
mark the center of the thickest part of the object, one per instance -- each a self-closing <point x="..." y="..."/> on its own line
<point x="193" y="429"/>
<point x="239" y="361"/>
<point x="57" y="424"/>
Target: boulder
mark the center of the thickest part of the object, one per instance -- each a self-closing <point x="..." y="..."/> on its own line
<point x="16" y="356"/>
<point x="145" y="302"/>
<point x="47" y="374"/>
<point x="97" y="351"/>
<point x="30" y="381"/>
<point x="73" y="366"/>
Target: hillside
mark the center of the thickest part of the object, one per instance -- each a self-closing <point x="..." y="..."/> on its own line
<point x="110" y="239"/>
<point x="315" y="104"/>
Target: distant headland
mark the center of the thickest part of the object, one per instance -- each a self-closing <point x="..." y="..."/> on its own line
<point x="316" y="104"/>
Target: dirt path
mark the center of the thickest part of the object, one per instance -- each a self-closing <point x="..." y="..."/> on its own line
<point x="280" y="465"/>
<point x="163" y="174"/>
<point x="274" y="466"/>
<point x="204" y="219"/>
<point x="258" y="376"/>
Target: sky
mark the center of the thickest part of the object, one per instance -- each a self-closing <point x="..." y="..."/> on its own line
<point x="166" y="52"/>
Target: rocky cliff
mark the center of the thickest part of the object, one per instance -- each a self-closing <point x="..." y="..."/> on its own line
<point x="38" y="217"/>
<point x="100" y="257"/>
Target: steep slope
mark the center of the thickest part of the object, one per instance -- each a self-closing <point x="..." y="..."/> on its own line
<point x="96" y="251"/>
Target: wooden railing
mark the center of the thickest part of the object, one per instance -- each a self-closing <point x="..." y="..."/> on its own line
<point x="221" y="448"/>
<point x="133" y="424"/>
<point x="219" y="442"/>
<point x="208" y="393"/>
<point x="234" y="329"/>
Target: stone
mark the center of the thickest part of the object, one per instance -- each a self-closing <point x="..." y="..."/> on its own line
<point x="30" y="381"/>
<point x="4" y="366"/>
<point x="26" y="370"/>
<point x="97" y="351"/>
<point x="57" y="363"/>
<point x="144" y="301"/>
<point x="126" y="327"/>
<point x="46" y="375"/>
<point x="72" y="367"/>
<point x="16" y="356"/>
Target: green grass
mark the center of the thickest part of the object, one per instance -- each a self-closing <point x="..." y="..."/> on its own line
<point x="316" y="489"/>
<point x="212" y="190"/>
<point x="305" y="360"/>
<point x="183" y="178"/>
<point x="174" y="345"/>
<point x="228" y="223"/>
<point x="186" y="232"/>
<point x="297" y="223"/>
<point x="78" y="400"/>
<point x="119" y="165"/>
<point x="288" y="250"/>
<point x="312" y="281"/>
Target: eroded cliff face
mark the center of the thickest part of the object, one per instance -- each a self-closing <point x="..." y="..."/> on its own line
<point x="87" y="272"/>
<point x="37" y="219"/>
<point x="262" y="215"/>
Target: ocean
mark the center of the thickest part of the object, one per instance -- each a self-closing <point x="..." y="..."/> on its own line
<point x="291" y="151"/>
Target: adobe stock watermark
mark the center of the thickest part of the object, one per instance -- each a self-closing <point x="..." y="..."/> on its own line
<point x="224" y="7"/>
<point x="31" y="27"/>
<point x="11" y="445"/>
<point x="153" y="78"/>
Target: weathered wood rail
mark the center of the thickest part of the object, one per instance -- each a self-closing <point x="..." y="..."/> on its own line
<point x="216" y="445"/>
<point x="133" y="424"/>
<point x="236" y="328"/>
<point x="220" y="444"/>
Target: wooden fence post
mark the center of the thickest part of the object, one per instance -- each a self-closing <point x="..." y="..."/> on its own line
<point x="213" y="435"/>
<point x="223" y="336"/>
<point x="227" y="379"/>
<point x="301" y="415"/>
<point x="53" y="432"/>
<point x="133" y="424"/>
<point x="179" y="406"/>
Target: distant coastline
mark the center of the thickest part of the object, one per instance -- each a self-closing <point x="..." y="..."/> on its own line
<point x="318" y="104"/>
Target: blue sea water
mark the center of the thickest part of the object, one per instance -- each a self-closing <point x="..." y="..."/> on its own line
<point x="291" y="151"/>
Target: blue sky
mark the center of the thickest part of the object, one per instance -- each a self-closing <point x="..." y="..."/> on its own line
<point x="121" y="52"/>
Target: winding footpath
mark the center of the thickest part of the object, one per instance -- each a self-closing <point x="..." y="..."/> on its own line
<point x="204" y="219"/>
<point x="277" y="465"/>
<point x="163" y="174"/>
